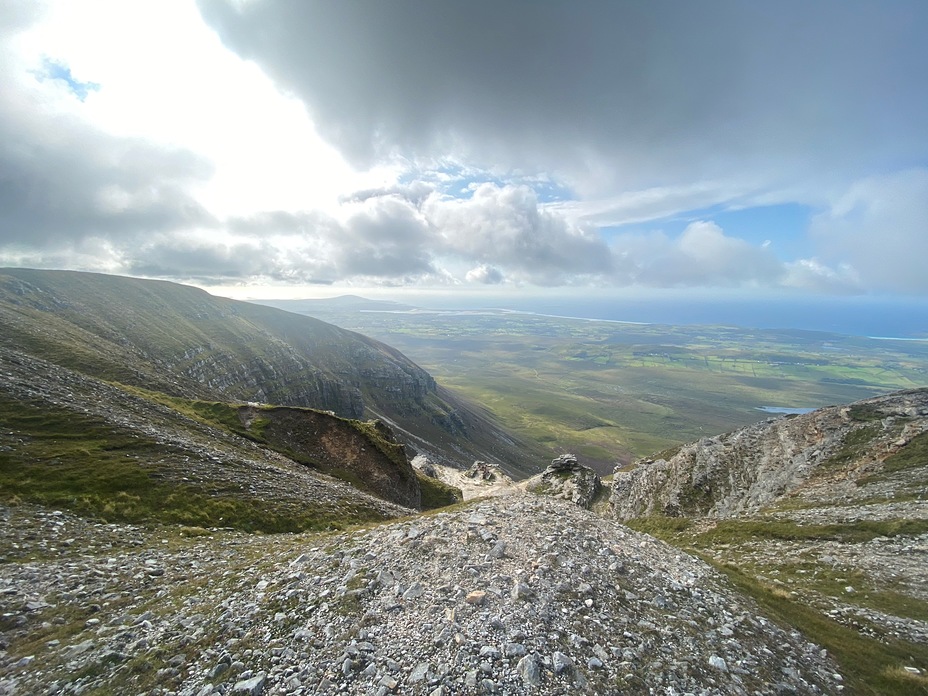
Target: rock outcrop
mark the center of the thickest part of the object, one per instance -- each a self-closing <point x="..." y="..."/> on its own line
<point x="825" y="454"/>
<point x="566" y="479"/>
<point x="482" y="471"/>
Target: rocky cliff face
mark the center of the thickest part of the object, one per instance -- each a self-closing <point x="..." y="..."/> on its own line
<point x="829" y="452"/>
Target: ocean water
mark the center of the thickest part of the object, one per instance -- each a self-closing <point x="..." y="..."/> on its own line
<point x="856" y="316"/>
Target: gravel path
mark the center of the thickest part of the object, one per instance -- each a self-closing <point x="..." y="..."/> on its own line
<point x="517" y="594"/>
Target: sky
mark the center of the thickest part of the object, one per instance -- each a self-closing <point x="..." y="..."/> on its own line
<point x="270" y="148"/>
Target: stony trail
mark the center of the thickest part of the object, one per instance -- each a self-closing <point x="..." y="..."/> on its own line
<point x="512" y="595"/>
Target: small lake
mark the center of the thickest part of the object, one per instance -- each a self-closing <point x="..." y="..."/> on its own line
<point x="783" y="409"/>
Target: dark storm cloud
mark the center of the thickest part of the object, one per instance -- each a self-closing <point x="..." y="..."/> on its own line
<point x="613" y="93"/>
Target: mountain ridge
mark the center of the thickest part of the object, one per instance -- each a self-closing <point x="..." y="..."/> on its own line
<point x="185" y="342"/>
<point x="833" y="451"/>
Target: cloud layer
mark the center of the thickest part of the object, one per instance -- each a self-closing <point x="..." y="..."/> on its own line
<point x="613" y="95"/>
<point x="512" y="144"/>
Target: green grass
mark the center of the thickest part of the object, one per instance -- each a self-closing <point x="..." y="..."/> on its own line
<point x="666" y="528"/>
<point x="855" y="444"/>
<point x="913" y="456"/>
<point x="735" y="531"/>
<point x="437" y="494"/>
<point x="79" y="462"/>
<point x="865" y="413"/>
<point x="871" y="667"/>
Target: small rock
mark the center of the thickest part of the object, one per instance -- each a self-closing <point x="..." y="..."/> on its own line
<point x="489" y="651"/>
<point x="415" y="591"/>
<point x="562" y="663"/>
<point x="521" y="591"/>
<point x="251" y="687"/>
<point x="418" y="673"/>
<point x="498" y="551"/>
<point x="389" y="682"/>
<point x="529" y="669"/>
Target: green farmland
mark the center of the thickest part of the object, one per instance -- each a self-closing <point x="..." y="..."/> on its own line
<point x="611" y="392"/>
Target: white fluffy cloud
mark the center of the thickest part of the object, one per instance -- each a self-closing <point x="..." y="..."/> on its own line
<point x="701" y="255"/>
<point x="505" y="226"/>
<point x="880" y="229"/>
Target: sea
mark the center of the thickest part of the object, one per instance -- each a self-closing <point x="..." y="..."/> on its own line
<point x="903" y="318"/>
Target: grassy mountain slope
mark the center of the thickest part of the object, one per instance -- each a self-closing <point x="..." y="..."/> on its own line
<point x="123" y="454"/>
<point x="184" y="342"/>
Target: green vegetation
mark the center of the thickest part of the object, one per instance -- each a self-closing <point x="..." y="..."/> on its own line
<point x="865" y="413"/>
<point x="375" y="433"/>
<point x="681" y="531"/>
<point x="914" y="455"/>
<point x="70" y="460"/>
<point x="613" y="392"/>
<point x="855" y="444"/>
<point x="437" y="494"/>
<point x="872" y="666"/>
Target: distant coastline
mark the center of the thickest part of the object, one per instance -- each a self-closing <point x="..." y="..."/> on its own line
<point x="873" y="318"/>
<point x="497" y="311"/>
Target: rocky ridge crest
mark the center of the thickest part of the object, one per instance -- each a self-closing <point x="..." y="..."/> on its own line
<point x="824" y="455"/>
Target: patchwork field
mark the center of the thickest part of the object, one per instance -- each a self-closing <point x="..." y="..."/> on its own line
<point x="611" y="392"/>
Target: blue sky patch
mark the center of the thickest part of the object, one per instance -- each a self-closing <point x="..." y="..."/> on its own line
<point x="784" y="225"/>
<point x="459" y="182"/>
<point x="54" y="70"/>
